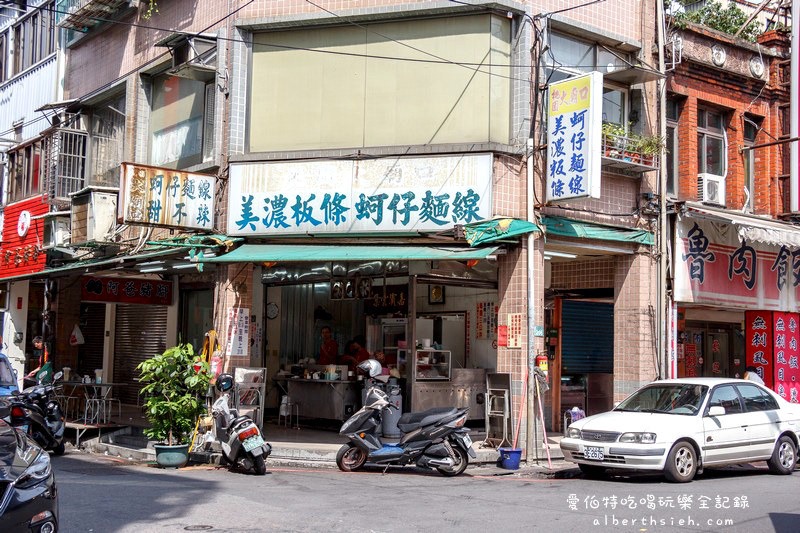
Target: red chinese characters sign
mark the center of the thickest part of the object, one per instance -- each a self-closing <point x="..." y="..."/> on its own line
<point x="126" y="290"/>
<point x="758" y="333"/>
<point x="23" y="234"/>
<point x="787" y="373"/>
<point x="716" y="266"/>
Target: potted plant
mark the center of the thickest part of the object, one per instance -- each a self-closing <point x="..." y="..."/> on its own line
<point x="175" y="385"/>
<point x="650" y="146"/>
<point x="614" y="139"/>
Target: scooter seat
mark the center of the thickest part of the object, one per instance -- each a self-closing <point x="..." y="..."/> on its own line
<point x="411" y="421"/>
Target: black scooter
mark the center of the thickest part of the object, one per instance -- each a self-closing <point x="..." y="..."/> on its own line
<point x="36" y="412"/>
<point x="435" y="438"/>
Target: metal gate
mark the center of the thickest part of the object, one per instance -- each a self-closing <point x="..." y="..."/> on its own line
<point x="140" y="333"/>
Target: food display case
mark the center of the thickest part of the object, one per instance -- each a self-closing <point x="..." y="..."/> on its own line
<point x="432" y="365"/>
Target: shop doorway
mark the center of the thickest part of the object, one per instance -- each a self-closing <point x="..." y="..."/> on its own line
<point x="712" y="350"/>
<point x="197" y="316"/>
<point x="92" y="322"/>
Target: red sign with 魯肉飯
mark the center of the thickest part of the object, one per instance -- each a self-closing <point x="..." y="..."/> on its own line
<point x="126" y="290"/>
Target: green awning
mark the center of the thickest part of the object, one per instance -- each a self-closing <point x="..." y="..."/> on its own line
<point x="564" y="227"/>
<point x="297" y="253"/>
<point x="477" y="233"/>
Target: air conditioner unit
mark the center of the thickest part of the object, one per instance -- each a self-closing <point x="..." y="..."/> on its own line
<point x="56" y="230"/>
<point x="711" y="189"/>
<point x="194" y="58"/>
<point x="93" y="216"/>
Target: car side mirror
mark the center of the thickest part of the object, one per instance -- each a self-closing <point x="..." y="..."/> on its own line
<point x="716" y="410"/>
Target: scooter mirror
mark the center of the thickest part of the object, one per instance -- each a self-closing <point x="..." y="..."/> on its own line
<point x="57" y="375"/>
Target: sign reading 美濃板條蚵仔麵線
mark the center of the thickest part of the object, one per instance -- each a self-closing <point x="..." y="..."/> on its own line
<point x="412" y="194"/>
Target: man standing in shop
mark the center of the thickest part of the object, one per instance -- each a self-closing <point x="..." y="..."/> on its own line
<point x="329" y="351"/>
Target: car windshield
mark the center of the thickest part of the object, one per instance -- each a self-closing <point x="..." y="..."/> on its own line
<point x="674" y="398"/>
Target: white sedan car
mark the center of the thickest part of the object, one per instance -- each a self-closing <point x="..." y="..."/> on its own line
<point x="680" y="426"/>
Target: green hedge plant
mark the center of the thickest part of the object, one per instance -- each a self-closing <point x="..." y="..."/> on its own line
<point x="175" y="385"/>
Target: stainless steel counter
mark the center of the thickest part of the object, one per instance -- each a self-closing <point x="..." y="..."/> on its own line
<point x="319" y="398"/>
<point x="467" y="388"/>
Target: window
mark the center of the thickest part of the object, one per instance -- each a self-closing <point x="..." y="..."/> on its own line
<point x="3" y="56"/>
<point x="711" y="143"/>
<point x="34" y="38"/>
<point x="569" y="57"/>
<point x="751" y="127"/>
<point x="727" y="397"/>
<point x="756" y="399"/>
<point x="181" y="122"/>
<point x="25" y="172"/>
<point x="106" y="141"/>
<point x="671" y="160"/>
<point x="307" y="84"/>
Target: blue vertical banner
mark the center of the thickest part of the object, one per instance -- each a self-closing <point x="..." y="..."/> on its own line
<point x="575" y="108"/>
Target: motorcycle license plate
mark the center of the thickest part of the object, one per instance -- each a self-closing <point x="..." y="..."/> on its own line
<point x="593" y="452"/>
<point x="466" y="441"/>
<point x="251" y="443"/>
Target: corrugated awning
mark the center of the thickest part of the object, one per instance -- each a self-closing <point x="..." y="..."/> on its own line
<point x="565" y="227"/>
<point x="749" y="227"/>
<point x="496" y="229"/>
<point x="298" y="253"/>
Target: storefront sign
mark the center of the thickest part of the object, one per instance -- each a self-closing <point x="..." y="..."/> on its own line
<point x="380" y="195"/>
<point x="713" y="266"/>
<point x="238" y="341"/>
<point x="164" y="197"/>
<point x="126" y="290"/>
<point x="787" y="371"/>
<point x="575" y="108"/>
<point x="387" y="300"/>
<point x="23" y="234"/>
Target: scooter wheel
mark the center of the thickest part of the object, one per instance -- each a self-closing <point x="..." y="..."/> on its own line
<point x="59" y="450"/>
<point x="459" y="467"/>
<point x="259" y="465"/>
<point x="350" y="458"/>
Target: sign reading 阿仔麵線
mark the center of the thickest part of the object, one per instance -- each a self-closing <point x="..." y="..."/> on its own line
<point x="573" y="137"/>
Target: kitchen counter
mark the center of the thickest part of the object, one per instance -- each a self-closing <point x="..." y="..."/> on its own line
<point x="323" y="398"/>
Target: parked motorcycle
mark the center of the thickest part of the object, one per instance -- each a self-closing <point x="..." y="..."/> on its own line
<point x="435" y="438"/>
<point x="36" y="411"/>
<point x="239" y="436"/>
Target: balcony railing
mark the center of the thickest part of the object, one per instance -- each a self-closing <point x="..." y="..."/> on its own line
<point x="625" y="154"/>
<point x="82" y="15"/>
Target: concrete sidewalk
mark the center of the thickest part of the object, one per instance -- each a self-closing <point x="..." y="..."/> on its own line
<point x="316" y="448"/>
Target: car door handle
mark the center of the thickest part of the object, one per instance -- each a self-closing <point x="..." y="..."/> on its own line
<point x="744" y="426"/>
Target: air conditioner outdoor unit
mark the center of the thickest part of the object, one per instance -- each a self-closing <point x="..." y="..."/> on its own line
<point x="93" y="216"/>
<point x="711" y="189"/>
<point x="56" y="230"/>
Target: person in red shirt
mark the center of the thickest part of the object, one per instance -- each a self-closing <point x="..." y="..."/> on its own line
<point x="358" y="352"/>
<point x="329" y="351"/>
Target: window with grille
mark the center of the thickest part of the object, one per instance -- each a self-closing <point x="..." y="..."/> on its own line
<point x="34" y="38"/>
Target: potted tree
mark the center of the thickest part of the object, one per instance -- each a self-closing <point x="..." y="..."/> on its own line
<point x="175" y="385"/>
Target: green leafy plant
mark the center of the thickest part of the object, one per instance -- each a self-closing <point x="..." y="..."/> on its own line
<point x="152" y="8"/>
<point x="727" y="19"/>
<point x="175" y="384"/>
<point x="650" y="144"/>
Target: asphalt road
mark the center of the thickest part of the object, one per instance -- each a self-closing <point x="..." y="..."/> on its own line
<point x="101" y="494"/>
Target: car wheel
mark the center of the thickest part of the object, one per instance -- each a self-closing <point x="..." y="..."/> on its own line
<point x="681" y="463"/>
<point x="592" y="471"/>
<point x="784" y="457"/>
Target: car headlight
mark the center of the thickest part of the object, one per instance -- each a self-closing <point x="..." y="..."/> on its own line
<point x="638" y="438"/>
<point x="574" y="433"/>
<point x="38" y="471"/>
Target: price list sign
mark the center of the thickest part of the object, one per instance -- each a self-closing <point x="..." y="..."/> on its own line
<point x="515" y="330"/>
<point x="758" y="335"/>
<point x="787" y="373"/>
<point x="486" y="321"/>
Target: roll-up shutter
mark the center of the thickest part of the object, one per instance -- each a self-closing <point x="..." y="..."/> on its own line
<point x="587" y="337"/>
<point x="140" y="333"/>
<point x="93" y="327"/>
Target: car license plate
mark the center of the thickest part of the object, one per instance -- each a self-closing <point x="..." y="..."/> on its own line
<point x="466" y="441"/>
<point x="251" y="443"/>
<point x="594" y="453"/>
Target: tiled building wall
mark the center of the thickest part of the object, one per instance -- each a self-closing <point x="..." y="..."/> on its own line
<point x="234" y="290"/>
<point x="635" y="327"/>
<point x="590" y="274"/>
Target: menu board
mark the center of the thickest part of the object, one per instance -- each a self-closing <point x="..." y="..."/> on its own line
<point x="787" y="373"/>
<point x="758" y="335"/>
